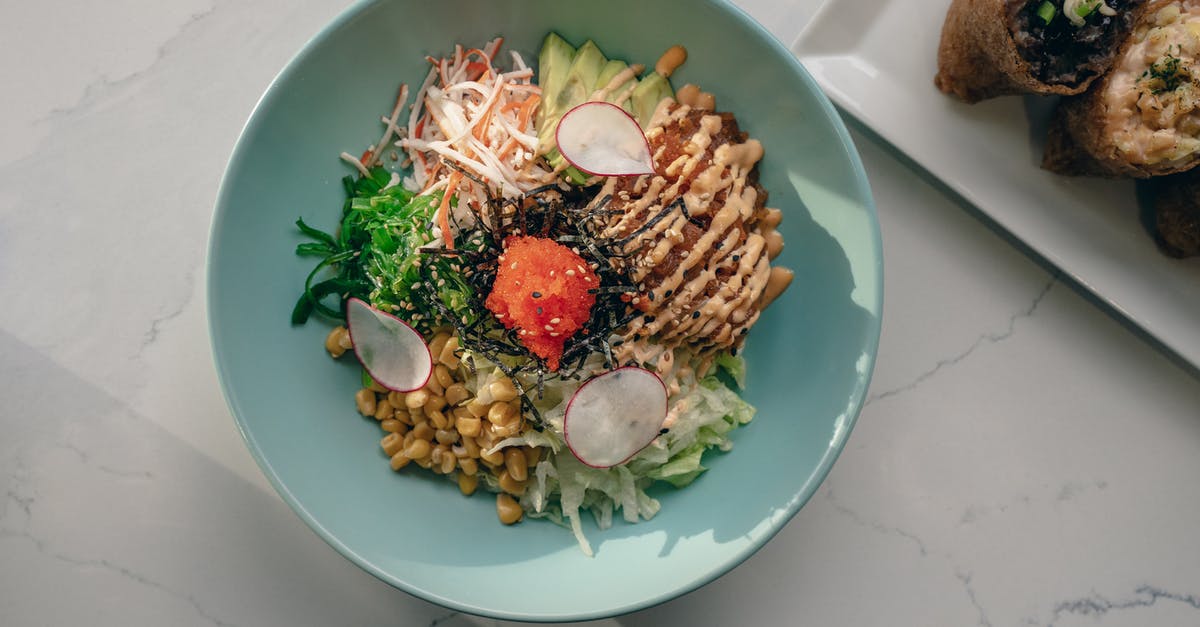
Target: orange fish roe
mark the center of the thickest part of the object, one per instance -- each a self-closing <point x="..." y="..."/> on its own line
<point x="541" y="289"/>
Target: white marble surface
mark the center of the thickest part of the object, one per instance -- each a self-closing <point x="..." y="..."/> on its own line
<point x="1025" y="458"/>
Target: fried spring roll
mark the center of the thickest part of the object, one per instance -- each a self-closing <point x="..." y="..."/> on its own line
<point x="1176" y="219"/>
<point x="1142" y="119"/>
<point x="999" y="47"/>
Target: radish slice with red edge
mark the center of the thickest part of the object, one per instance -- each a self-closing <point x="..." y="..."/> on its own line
<point x="614" y="415"/>
<point x="600" y="138"/>
<point x="393" y="353"/>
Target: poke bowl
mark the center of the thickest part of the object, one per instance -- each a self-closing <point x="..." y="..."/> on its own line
<point x="336" y="437"/>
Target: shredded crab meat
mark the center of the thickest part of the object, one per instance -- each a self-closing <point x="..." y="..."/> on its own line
<point x="470" y="132"/>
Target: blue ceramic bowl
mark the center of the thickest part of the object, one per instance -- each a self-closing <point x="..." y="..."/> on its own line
<point x="810" y="356"/>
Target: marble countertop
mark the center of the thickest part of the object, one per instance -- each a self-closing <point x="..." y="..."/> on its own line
<point x="1025" y="457"/>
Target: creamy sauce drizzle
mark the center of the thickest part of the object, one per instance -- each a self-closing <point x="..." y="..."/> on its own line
<point x="722" y="278"/>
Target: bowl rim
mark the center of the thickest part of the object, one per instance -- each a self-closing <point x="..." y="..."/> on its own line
<point x="861" y="194"/>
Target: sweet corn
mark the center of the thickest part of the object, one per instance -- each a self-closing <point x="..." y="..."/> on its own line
<point x="419" y="449"/>
<point x="514" y="463"/>
<point x="507" y="509"/>
<point x="364" y="399"/>
<point x="503" y="390"/>
<point x="391" y="443"/>
<point x="399" y="460"/>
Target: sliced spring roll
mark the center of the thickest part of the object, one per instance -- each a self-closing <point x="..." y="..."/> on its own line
<point x="1143" y="118"/>
<point x="999" y="47"/>
<point x="1175" y="201"/>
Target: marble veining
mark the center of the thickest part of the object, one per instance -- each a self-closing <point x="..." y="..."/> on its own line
<point x="987" y="338"/>
<point x="965" y="578"/>
<point x="1097" y="606"/>
<point x="873" y="525"/>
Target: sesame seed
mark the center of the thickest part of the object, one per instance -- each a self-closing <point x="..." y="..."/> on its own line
<point x="555" y="320"/>
<point x="539" y="311"/>
<point x="552" y="334"/>
<point x="536" y="294"/>
<point x="695" y="314"/>
<point x="569" y="273"/>
<point x="549" y="328"/>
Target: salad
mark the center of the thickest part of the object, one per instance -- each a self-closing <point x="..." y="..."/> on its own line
<point x="547" y="276"/>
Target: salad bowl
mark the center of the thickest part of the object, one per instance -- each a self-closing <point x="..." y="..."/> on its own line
<point x="809" y="358"/>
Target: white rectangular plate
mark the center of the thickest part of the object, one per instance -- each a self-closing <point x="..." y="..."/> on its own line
<point x="876" y="60"/>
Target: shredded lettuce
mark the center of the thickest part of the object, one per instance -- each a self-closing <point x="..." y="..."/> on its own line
<point x="705" y="414"/>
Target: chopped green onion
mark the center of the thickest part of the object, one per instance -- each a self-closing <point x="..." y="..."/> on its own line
<point x="1047" y="12"/>
<point x="1085" y="10"/>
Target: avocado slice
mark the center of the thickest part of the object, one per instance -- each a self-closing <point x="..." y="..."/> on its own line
<point x="581" y="78"/>
<point x="610" y="70"/>
<point x="577" y="85"/>
<point x="554" y="61"/>
<point x="568" y="77"/>
<point x="646" y="96"/>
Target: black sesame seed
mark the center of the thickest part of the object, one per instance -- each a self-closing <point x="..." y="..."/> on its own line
<point x="650" y="295"/>
<point x="695" y="314"/>
<point x="663" y="431"/>
<point x="650" y="319"/>
<point x="737" y="257"/>
<point x="539" y="311"/>
<point x="668" y="293"/>
<point x="536" y="294"/>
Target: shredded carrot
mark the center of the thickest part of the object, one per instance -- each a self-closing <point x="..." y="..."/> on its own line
<point x="475" y="69"/>
<point x="499" y="41"/>
<point x="507" y="148"/>
<point x="443" y="215"/>
<point x="527" y="108"/>
<point x="481" y="130"/>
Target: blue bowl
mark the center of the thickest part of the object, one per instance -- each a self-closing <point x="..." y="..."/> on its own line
<point x="810" y="357"/>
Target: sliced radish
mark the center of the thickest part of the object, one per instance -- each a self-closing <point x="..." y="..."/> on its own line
<point x="393" y="353"/>
<point x="614" y="415"/>
<point x="600" y="138"/>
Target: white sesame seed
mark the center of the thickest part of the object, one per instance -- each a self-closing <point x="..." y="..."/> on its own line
<point x="555" y="321"/>
<point x="514" y="265"/>
<point x="569" y="273"/>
